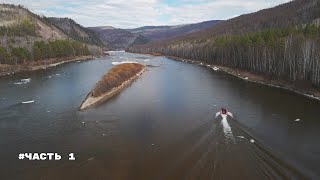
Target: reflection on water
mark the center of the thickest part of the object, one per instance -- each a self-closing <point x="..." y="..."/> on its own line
<point x="162" y="126"/>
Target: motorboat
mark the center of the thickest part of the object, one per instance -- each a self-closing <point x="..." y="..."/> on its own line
<point x="224" y="113"/>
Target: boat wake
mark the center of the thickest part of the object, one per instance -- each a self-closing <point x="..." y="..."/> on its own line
<point x="212" y="149"/>
<point x="227" y="130"/>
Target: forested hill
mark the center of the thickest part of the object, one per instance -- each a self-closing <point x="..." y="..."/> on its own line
<point x="297" y="12"/>
<point x="76" y="31"/>
<point x="282" y="42"/>
<point x="25" y="37"/>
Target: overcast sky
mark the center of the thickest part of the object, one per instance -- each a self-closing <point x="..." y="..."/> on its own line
<point x="136" y="13"/>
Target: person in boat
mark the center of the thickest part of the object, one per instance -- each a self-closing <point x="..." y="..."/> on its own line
<point x="223" y="111"/>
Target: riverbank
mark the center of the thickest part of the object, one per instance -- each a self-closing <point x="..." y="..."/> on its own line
<point x="93" y="100"/>
<point x="39" y="65"/>
<point x="307" y="91"/>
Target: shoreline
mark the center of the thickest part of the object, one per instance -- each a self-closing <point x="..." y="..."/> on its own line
<point x="255" y="78"/>
<point x="6" y="70"/>
<point x="311" y="93"/>
<point x="91" y="101"/>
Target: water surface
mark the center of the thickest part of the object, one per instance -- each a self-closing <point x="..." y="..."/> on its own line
<point x="160" y="127"/>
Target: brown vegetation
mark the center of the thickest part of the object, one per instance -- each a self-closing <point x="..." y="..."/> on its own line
<point x="115" y="77"/>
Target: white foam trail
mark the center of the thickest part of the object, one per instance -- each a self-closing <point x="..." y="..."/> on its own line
<point x="227" y="129"/>
<point x="230" y="114"/>
<point x="297" y="120"/>
<point x="27" y="102"/>
<point x="217" y="114"/>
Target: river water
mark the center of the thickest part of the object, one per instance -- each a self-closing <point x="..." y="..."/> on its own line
<point x="162" y="126"/>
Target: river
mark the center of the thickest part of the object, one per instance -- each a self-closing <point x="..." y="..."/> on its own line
<point x="162" y="126"/>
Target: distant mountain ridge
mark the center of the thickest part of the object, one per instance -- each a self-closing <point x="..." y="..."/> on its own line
<point x="123" y="38"/>
<point x="165" y="32"/>
<point x="118" y="39"/>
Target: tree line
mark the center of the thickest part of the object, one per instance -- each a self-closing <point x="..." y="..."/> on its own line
<point x="291" y="53"/>
<point x="43" y="50"/>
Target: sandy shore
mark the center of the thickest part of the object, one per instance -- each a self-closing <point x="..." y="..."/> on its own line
<point x="34" y="66"/>
<point x="91" y="101"/>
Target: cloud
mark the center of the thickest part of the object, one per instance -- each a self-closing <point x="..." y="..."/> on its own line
<point x="135" y="13"/>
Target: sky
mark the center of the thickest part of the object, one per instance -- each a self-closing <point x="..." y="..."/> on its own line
<point x="137" y="13"/>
